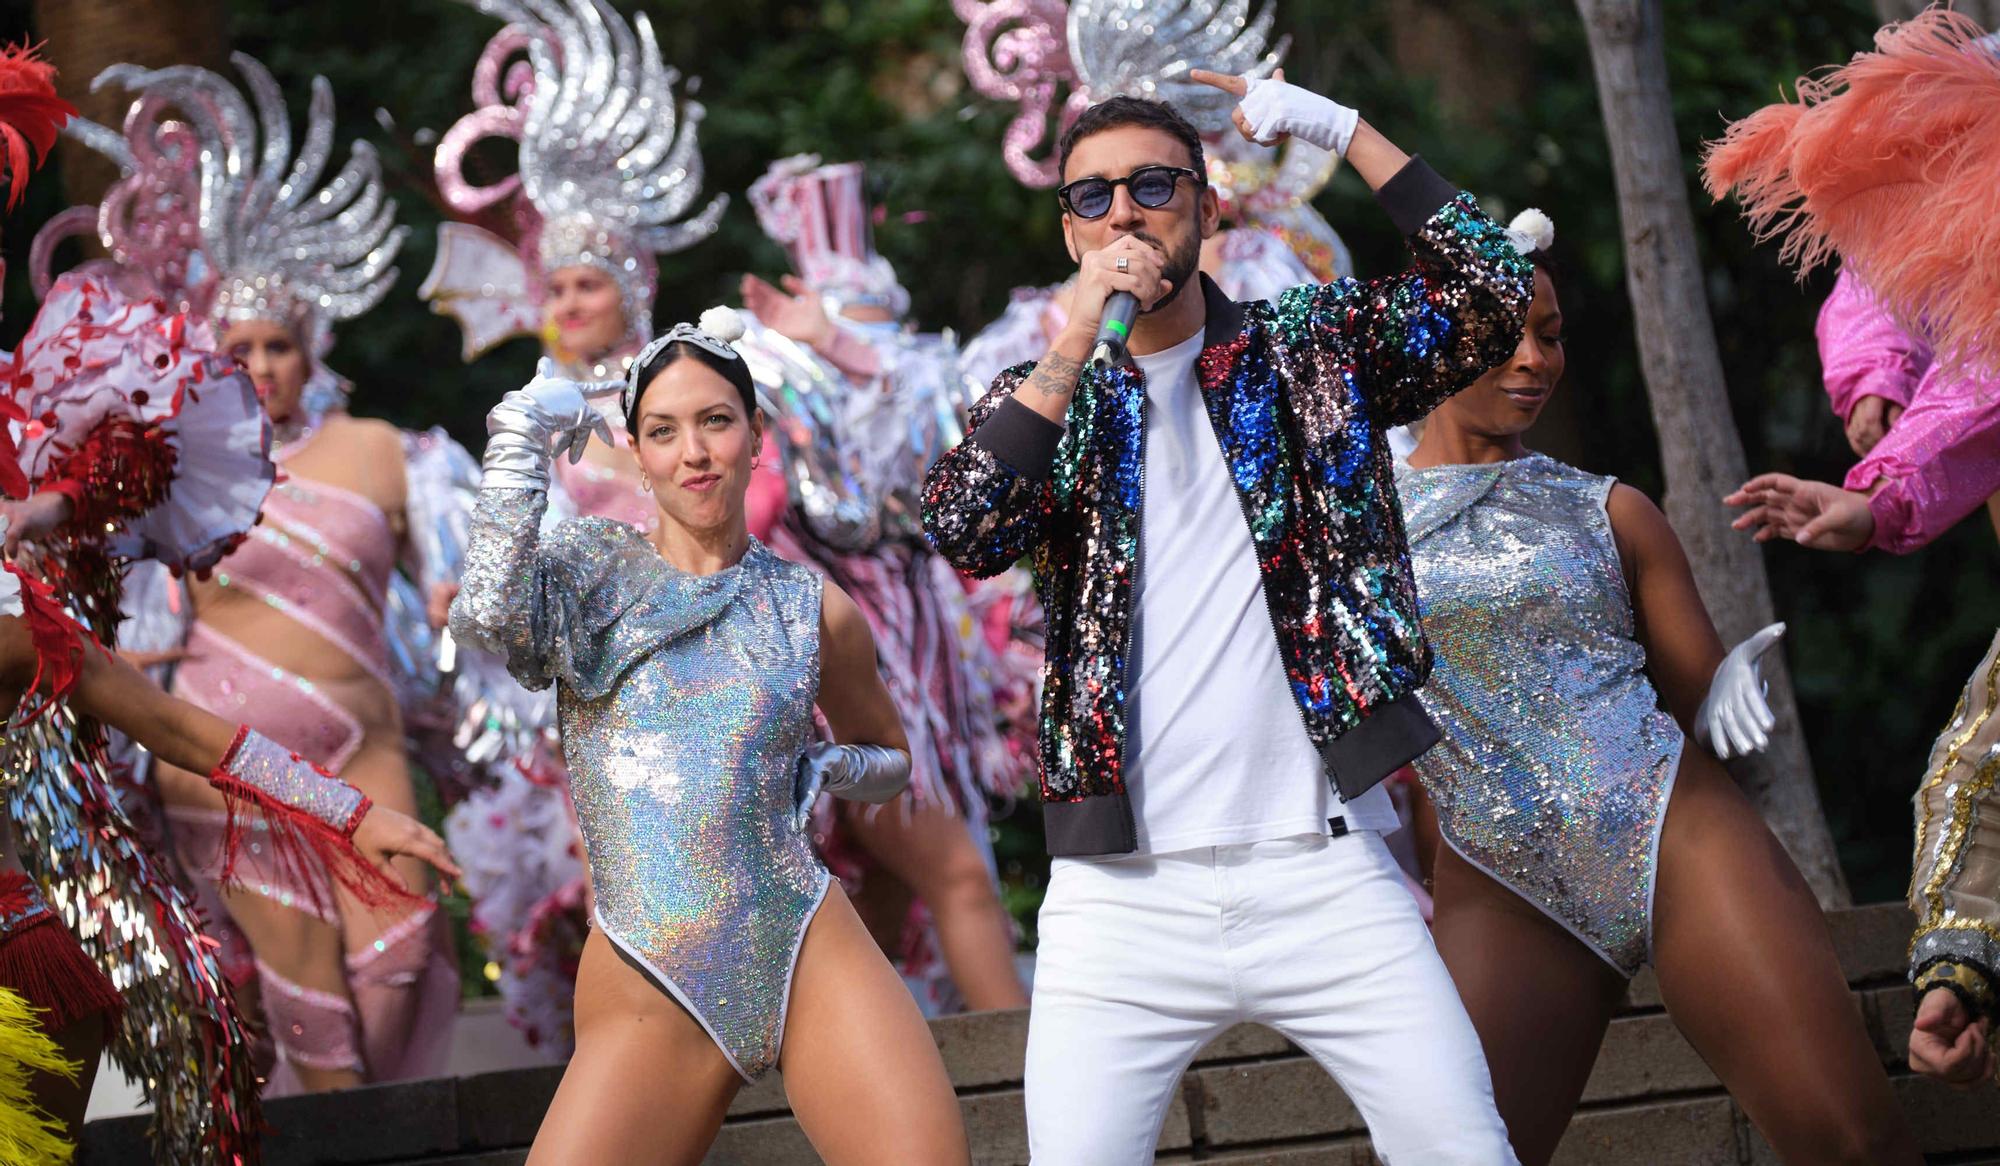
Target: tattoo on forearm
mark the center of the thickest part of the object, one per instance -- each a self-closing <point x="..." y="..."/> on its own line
<point x="1055" y="375"/>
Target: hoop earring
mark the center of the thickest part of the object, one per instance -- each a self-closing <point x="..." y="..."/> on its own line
<point x="645" y="484"/>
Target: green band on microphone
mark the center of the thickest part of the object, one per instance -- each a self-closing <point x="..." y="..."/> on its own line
<point x="1119" y="326"/>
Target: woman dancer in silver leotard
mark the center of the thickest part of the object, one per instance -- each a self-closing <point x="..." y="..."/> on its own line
<point x="687" y="664"/>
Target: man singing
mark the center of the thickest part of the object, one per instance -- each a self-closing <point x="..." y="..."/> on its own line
<point x="1233" y="638"/>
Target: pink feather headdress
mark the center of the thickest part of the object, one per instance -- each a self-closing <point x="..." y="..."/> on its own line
<point x="1891" y="162"/>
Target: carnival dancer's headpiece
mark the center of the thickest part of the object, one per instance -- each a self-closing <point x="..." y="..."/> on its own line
<point x="218" y="217"/>
<point x="609" y="163"/>
<point x="1028" y="52"/>
<point x="716" y="333"/>
<point x="1891" y="162"/>
<point x="820" y="216"/>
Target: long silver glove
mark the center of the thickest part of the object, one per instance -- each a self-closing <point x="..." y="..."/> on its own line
<point x="533" y="425"/>
<point x="859" y="773"/>
<point x="1735" y="720"/>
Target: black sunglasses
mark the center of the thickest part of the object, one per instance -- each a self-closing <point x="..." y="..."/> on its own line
<point x="1152" y="187"/>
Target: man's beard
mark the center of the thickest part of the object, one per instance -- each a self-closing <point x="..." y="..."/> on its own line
<point x="1180" y="266"/>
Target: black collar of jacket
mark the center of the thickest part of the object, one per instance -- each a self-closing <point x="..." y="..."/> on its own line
<point x="1225" y="316"/>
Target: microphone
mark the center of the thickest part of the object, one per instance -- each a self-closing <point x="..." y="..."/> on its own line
<point x="1114" y="329"/>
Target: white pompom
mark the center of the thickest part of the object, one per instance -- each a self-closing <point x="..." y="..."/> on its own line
<point x="722" y="323"/>
<point x="1532" y="231"/>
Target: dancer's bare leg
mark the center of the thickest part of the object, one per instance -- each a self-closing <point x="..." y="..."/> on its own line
<point x="928" y="848"/>
<point x="1749" y="974"/>
<point x="296" y="944"/>
<point x="1539" y="998"/>
<point x="861" y="1070"/>
<point x="646" y="1087"/>
<point x="63" y="1098"/>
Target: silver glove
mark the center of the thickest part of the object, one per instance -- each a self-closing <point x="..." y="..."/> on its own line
<point x="859" y="773"/>
<point x="533" y="425"/>
<point x="1735" y="720"/>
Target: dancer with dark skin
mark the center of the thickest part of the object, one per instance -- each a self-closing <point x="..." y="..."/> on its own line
<point x="1746" y="967"/>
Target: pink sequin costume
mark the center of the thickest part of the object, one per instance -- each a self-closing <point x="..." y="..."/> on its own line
<point x="1941" y="459"/>
<point x="611" y="180"/>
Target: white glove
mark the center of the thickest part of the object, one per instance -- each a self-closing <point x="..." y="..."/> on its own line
<point x="536" y="423"/>
<point x="1735" y="720"/>
<point x="1275" y="108"/>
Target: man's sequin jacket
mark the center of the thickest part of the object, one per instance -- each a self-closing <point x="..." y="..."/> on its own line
<point x="1301" y="392"/>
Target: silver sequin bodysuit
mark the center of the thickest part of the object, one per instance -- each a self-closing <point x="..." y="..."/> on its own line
<point x="1556" y="762"/>
<point x="685" y="702"/>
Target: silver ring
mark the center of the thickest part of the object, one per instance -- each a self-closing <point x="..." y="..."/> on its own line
<point x="1124" y="263"/>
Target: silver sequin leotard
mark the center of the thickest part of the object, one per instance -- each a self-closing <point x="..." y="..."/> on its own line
<point x="685" y="702"/>
<point x="1557" y="761"/>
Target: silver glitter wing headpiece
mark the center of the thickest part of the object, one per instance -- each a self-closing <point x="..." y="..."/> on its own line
<point x="609" y="158"/>
<point x="219" y="214"/>
<point x="1024" y="51"/>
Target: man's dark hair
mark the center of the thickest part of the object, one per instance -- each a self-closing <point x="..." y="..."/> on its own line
<point x="1117" y="112"/>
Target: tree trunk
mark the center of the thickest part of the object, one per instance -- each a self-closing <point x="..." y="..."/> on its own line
<point x="1699" y="446"/>
<point x="84" y="37"/>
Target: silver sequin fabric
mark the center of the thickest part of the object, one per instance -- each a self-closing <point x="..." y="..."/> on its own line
<point x="685" y="702"/>
<point x="1556" y="761"/>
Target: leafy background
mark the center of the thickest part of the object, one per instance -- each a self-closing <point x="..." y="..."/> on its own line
<point x="1498" y="94"/>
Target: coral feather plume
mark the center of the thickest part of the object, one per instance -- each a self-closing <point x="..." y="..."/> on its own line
<point x="1892" y="163"/>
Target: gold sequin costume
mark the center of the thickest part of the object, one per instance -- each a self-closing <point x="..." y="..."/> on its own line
<point x="685" y="703"/>
<point x="1956" y="888"/>
<point x="1557" y="761"/>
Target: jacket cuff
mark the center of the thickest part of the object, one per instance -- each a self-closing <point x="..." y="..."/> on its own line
<point x="1415" y="194"/>
<point x="1021" y="438"/>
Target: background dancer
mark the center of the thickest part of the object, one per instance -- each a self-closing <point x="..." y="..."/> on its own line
<point x="1221" y="512"/>
<point x="1583" y="839"/>
<point x="687" y="666"/>
<point x="291" y="630"/>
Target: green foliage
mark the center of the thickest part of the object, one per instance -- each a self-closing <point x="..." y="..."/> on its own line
<point x="1878" y="645"/>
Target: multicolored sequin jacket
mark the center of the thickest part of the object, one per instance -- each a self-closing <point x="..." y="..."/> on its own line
<point x="1300" y="392"/>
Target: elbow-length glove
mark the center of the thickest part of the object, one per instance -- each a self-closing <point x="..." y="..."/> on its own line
<point x="1735" y="720"/>
<point x="859" y="773"/>
<point x="534" y="424"/>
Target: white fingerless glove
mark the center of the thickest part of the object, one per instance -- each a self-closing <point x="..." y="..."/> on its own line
<point x="534" y="424"/>
<point x="1276" y="108"/>
<point x="1735" y="720"/>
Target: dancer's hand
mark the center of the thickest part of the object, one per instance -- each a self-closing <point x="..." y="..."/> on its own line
<point x="1812" y="514"/>
<point x="535" y="424"/>
<point x="437" y="604"/>
<point x="1946" y="1044"/>
<point x="385" y="834"/>
<point x="795" y="312"/>
<point x="1272" y="109"/>
<point x="30" y="519"/>
<point x="1735" y="720"/>
<point x="1870" y="421"/>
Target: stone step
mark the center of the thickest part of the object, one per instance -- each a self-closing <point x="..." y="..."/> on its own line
<point x="1249" y="1097"/>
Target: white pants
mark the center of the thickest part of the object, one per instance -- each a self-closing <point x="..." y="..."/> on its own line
<point x="1144" y="960"/>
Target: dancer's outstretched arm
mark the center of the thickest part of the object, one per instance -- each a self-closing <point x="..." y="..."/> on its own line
<point x="109" y="689"/>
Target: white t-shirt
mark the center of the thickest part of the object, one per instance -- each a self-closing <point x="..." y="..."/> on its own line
<point x="1220" y="754"/>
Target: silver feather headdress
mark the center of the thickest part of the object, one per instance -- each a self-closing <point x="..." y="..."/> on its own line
<point x="609" y="159"/>
<point x="218" y="215"/>
<point x="1023" y="51"/>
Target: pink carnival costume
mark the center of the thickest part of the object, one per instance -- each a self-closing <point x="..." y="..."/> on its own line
<point x="609" y="170"/>
<point x="236" y="228"/>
